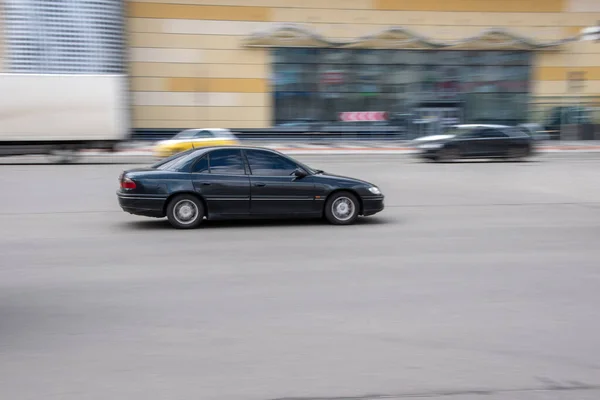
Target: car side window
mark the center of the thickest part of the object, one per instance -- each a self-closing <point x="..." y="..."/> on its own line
<point x="201" y="166"/>
<point x="226" y="162"/>
<point x="204" y="134"/>
<point x="269" y="164"/>
<point x="493" y="134"/>
<point x="474" y="134"/>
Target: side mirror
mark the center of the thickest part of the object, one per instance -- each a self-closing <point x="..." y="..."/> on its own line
<point x="299" y="173"/>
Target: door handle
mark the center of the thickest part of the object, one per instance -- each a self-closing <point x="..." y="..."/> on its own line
<point x="260" y="184"/>
<point x="205" y="183"/>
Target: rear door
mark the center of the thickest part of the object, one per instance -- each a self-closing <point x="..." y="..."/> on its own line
<point x="221" y="178"/>
<point x="471" y="144"/>
<point x="275" y="190"/>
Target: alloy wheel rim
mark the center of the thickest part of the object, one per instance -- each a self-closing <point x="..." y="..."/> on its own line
<point x="185" y="212"/>
<point x="343" y="208"/>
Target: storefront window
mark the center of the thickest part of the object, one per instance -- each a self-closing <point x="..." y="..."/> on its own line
<point x="318" y="84"/>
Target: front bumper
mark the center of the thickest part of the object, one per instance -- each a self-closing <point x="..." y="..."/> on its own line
<point x="427" y="152"/>
<point x="139" y="204"/>
<point x="372" y="205"/>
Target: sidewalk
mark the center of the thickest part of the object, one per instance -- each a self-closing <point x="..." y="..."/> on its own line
<point x="366" y="147"/>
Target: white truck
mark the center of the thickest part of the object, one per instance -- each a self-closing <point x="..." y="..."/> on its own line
<point x="60" y="115"/>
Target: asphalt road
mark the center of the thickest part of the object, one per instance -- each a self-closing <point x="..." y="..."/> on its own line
<point x="478" y="279"/>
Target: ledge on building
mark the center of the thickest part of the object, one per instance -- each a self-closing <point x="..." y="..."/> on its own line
<point x="292" y="35"/>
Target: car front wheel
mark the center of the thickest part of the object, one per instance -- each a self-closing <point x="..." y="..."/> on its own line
<point x="518" y="154"/>
<point x="342" y="208"/>
<point x="185" y="212"/>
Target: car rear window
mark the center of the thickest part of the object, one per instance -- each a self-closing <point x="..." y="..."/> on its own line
<point x="224" y="134"/>
<point x="175" y="162"/>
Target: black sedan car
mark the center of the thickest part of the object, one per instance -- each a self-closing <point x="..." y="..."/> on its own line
<point x="476" y="141"/>
<point x="241" y="182"/>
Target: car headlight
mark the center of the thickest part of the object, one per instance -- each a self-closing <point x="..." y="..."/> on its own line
<point x="431" y="146"/>
<point x="374" y="190"/>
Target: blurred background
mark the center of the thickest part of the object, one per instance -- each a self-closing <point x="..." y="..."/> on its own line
<point x="478" y="280"/>
<point x="387" y="69"/>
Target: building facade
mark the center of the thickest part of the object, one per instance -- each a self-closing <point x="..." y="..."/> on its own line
<point x="260" y="63"/>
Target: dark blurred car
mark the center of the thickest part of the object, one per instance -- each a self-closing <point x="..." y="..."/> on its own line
<point x="476" y="141"/>
<point x="240" y="182"/>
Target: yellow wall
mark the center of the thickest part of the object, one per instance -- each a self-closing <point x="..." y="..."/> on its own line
<point x="189" y="69"/>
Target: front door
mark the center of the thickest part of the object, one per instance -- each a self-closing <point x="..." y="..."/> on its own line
<point x="220" y="178"/>
<point x="472" y="144"/>
<point x="496" y="142"/>
<point x="275" y="190"/>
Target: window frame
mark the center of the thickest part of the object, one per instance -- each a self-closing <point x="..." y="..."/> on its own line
<point x="201" y="131"/>
<point x="196" y="161"/>
<point x="208" y="155"/>
<point x="497" y="131"/>
<point x="298" y="166"/>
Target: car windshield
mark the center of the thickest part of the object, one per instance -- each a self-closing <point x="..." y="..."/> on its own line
<point x="185" y="135"/>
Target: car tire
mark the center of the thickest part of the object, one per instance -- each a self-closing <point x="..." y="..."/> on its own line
<point x="185" y="212"/>
<point x="448" y="154"/>
<point x="342" y="208"/>
<point x="517" y="154"/>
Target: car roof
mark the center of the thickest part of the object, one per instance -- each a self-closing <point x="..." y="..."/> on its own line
<point x="198" y="152"/>
<point x="238" y="147"/>
<point x="206" y="129"/>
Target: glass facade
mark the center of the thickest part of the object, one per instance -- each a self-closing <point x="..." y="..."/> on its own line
<point x="64" y="36"/>
<point x="318" y="84"/>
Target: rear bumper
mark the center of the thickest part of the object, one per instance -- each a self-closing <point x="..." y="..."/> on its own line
<point x="148" y="206"/>
<point x="372" y="205"/>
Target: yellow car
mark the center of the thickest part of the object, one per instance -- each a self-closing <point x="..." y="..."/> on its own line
<point x="194" y="138"/>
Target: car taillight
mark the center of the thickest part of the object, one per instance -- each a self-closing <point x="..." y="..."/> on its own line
<point x="127" y="183"/>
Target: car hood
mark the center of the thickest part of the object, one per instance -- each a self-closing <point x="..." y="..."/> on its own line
<point x="433" y="138"/>
<point x="339" y="178"/>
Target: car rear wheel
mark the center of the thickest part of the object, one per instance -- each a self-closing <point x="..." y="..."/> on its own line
<point x="342" y="208"/>
<point x="448" y="154"/>
<point x="185" y="212"/>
